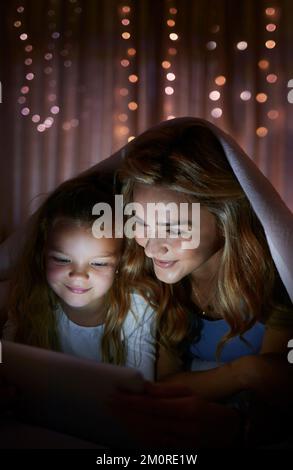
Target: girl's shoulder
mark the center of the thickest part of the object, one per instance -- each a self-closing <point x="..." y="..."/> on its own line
<point x="140" y="307"/>
<point x="140" y="314"/>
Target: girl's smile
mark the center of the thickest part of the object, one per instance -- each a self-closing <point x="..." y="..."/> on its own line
<point x="78" y="290"/>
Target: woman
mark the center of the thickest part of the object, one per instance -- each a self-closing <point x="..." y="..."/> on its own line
<point x="226" y="295"/>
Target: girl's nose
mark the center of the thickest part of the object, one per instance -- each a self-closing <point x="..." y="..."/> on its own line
<point x="78" y="273"/>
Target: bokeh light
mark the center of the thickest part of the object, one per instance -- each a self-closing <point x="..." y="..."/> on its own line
<point x="25" y="111"/>
<point x="216" y="112"/>
<point x="126" y="35"/>
<point x="131" y="51"/>
<point x="36" y="118"/>
<point x="245" y="95"/>
<point x="170" y="76"/>
<point x="263" y="64"/>
<point x="214" y="95"/>
<point x="173" y="36"/>
<point x="133" y="78"/>
<point x="273" y="114"/>
<point x="271" y="27"/>
<point x="242" y="45"/>
<point x="271" y="78"/>
<point x="261" y="97"/>
<point x="261" y="131"/>
<point x="220" y="80"/>
<point x="169" y="90"/>
<point x="132" y="106"/>
<point x="166" y="64"/>
<point x="55" y="109"/>
<point x="211" y="45"/>
<point x="270" y="11"/>
<point x="270" y="44"/>
<point x="29" y="76"/>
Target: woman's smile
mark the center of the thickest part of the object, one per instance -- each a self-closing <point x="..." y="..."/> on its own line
<point x="163" y="264"/>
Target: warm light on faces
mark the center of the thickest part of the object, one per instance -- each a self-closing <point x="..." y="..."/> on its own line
<point x="80" y="269"/>
<point x="171" y="261"/>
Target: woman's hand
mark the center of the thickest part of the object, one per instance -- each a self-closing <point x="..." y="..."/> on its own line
<point x="269" y="375"/>
<point x="213" y="385"/>
<point x="171" y="416"/>
<point x="8" y="395"/>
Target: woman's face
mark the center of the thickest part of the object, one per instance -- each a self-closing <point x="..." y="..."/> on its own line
<point x="175" y="258"/>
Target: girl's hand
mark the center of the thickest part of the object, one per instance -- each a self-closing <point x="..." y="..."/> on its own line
<point x="171" y="416"/>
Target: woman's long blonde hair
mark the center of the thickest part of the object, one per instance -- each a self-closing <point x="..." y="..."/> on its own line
<point x="32" y="301"/>
<point x="189" y="159"/>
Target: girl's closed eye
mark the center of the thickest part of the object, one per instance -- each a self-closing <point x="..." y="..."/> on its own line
<point x="99" y="264"/>
<point x="59" y="259"/>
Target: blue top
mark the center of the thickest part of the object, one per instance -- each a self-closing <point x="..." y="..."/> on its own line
<point x="212" y="332"/>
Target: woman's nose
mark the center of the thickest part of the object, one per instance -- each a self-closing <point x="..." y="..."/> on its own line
<point x="155" y="247"/>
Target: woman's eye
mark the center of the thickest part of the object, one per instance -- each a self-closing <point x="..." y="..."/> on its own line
<point x="173" y="232"/>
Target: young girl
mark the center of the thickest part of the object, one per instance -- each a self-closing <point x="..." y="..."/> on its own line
<point x="222" y="302"/>
<point x="68" y="294"/>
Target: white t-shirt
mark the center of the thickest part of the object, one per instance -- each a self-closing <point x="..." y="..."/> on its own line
<point x="138" y="334"/>
<point x="85" y="342"/>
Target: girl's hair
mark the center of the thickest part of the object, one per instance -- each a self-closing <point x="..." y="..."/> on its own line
<point x="189" y="159"/>
<point x="32" y="301"/>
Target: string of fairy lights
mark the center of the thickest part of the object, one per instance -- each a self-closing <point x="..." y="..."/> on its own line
<point x="128" y="103"/>
<point x="26" y="88"/>
<point x="127" y="62"/>
<point x="168" y="63"/>
<point x="50" y="58"/>
<point x="261" y="97"/>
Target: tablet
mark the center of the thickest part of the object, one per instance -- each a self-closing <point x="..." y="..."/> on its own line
<point x="68" y="394"/>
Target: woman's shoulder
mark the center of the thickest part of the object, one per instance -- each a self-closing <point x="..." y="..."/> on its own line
<point x="281" y="314"/>
<point x="281" y="317"/>
<point x="9" y="330"/>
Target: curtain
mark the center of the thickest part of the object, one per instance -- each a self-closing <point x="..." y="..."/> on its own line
<point x="79" y="78"/>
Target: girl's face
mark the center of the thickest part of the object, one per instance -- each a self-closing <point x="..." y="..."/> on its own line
<point x="80" y="268"/>
<point x="172" y="261"/>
